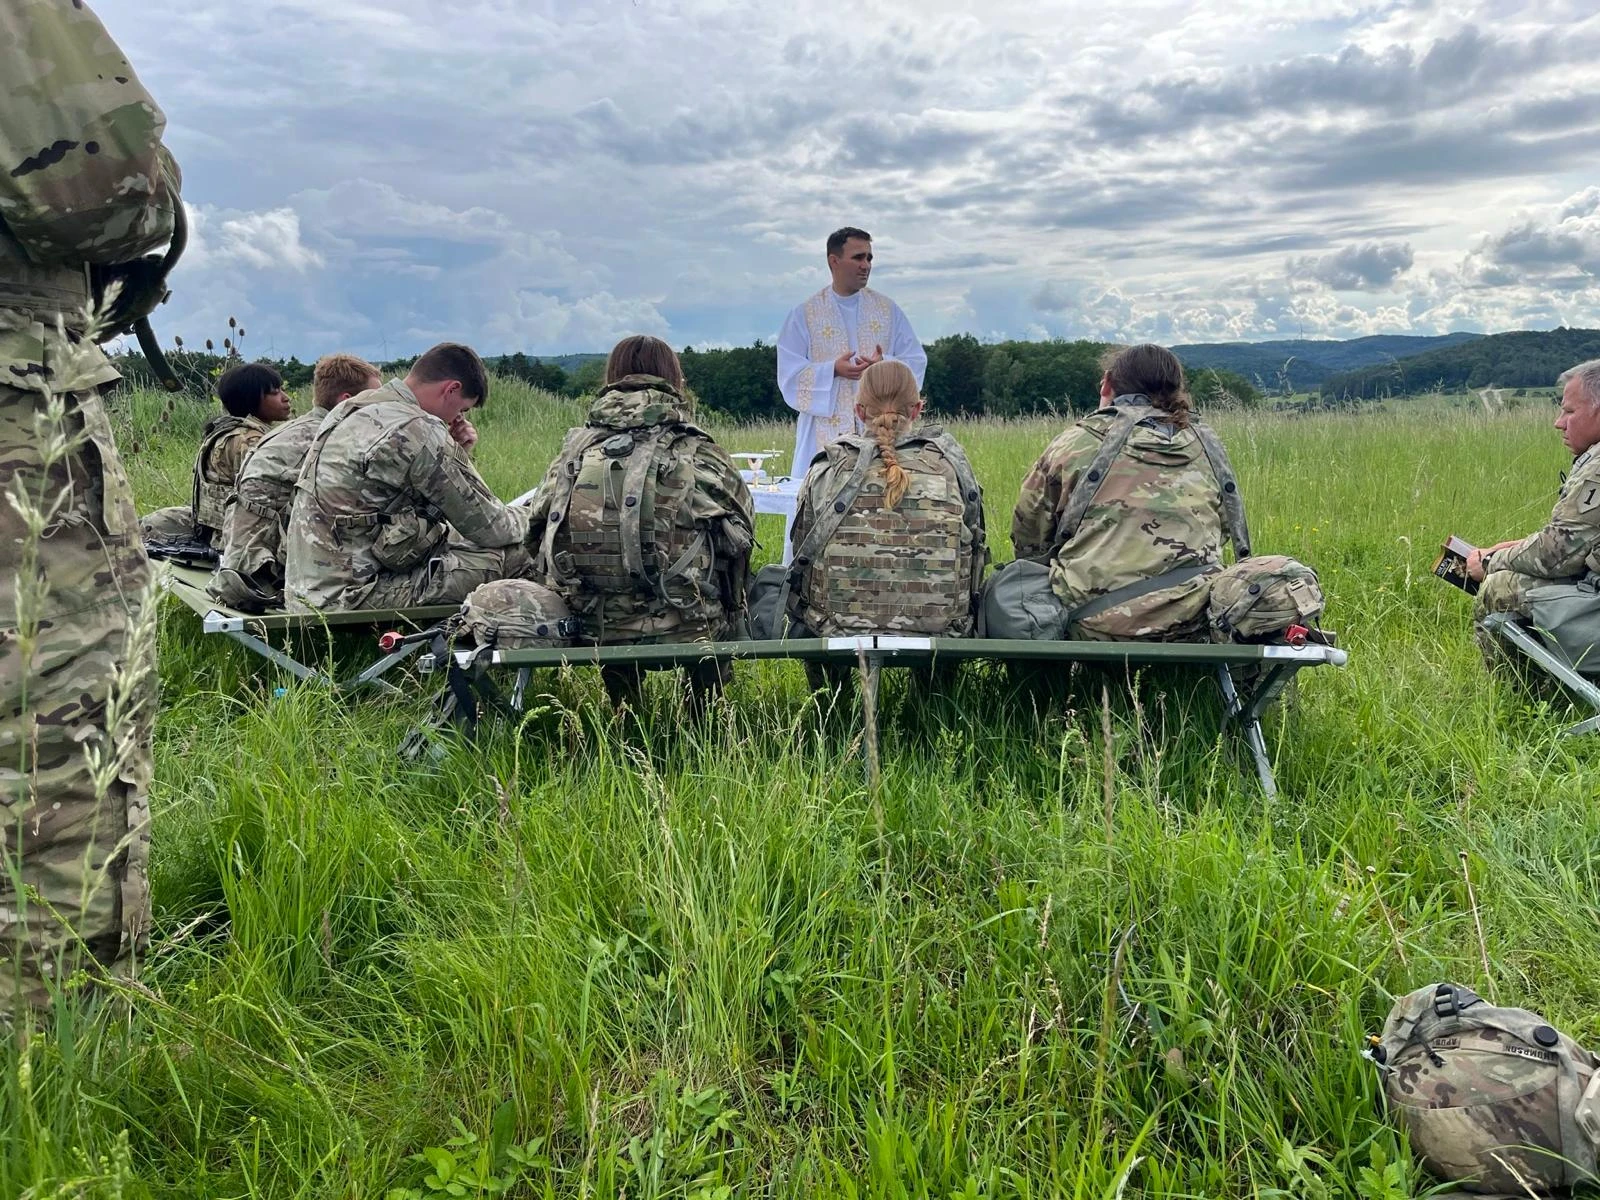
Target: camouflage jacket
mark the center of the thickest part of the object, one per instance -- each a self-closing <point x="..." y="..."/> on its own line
<point x="1569" y="544"/>
<point x="718" y="502"/>
<point x="252" y="542"/>
<point x="378" y="460"/>
<point x="83" y="179"/>
<point x="1158" y="509"/>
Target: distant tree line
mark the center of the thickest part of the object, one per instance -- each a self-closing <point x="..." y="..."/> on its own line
<point x="1526" y="359"/>
<point x="965" y="377"/>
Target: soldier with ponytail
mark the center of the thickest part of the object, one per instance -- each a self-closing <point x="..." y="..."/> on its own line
<point x="888" y="533"/>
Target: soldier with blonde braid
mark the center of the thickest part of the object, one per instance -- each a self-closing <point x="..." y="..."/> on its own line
<point x="888" y="532"/>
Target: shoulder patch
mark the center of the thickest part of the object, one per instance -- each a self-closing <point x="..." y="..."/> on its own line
<point x="1589" y="496"/>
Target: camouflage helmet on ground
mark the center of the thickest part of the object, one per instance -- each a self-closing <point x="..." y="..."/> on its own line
<point x="516" y="614"/>
<point x="1486" y="1095"/>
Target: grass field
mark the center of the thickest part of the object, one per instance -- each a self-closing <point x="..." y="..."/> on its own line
<point x="704" y="961"/>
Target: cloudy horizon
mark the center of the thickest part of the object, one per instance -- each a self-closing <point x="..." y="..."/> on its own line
<point x="550" y="177"/>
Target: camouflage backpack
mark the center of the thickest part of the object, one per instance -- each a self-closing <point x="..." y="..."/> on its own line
<point x="916" y="568"/>
<point x="621" y="539"/>
<point x="1487" y="1096"/>
<point x="515" y="614"/>
<point x="1256" y="599"/>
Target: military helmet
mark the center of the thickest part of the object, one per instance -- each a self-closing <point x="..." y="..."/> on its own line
<point x="1486" y="1095"/>
<point x="516" y="614"/>
<point x="1258" y="598"/>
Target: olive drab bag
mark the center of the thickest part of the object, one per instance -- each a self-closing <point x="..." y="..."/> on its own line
<point x="1257" y="599"/>
<point x="621" y="530"/>
<point x="916" y="568"/>
<point x="1489" y="1097"/>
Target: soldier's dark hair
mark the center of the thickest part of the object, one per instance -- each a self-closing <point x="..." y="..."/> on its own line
<point x="839" y="237"/>
<point x="1153" y="371"/>
<point x="642" y="354"/>
<point x="242" y="388"/>
<point x="452" y="360"/>
<point x="338" y="375"/>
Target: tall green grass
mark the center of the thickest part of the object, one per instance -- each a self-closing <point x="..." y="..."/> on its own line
<point x="704" y="960"/>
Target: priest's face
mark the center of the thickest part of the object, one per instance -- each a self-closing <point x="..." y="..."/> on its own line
<point x="851" y="266"/>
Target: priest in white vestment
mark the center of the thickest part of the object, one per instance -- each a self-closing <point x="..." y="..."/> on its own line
<point x="828" y="341"/>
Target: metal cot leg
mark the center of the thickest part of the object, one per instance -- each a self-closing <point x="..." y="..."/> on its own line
<point x="1532" y="648"/>
<point x="1249" y="722"/>
<point x="298" y="669"/>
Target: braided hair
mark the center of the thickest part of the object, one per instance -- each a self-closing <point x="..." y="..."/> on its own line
<point x="888" y="398"/>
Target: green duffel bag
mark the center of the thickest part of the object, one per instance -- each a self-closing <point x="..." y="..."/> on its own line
<point x="1257" y="599"/>
<point x="1018" y="603"/>
<point x="1568" y="615"/>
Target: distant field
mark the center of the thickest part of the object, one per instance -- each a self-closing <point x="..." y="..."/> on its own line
<point x="705" y="962"/>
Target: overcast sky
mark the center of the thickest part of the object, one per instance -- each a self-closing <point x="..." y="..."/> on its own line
<point x="548" y="177"/>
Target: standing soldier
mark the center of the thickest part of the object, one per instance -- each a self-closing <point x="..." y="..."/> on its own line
<point x="86" y="188"/>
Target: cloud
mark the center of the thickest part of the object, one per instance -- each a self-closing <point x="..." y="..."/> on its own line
<point x="546" y="178"/>
<point x="266" y="241"/>
<point x="1369" y="267"/>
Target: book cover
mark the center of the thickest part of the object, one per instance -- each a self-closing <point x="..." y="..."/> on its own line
<point x="1451" y="565"/>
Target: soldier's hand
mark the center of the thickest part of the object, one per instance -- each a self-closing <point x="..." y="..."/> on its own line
<point x="1475" y="570"/>
<point x="464" y="432"/>
<point x="846" y="366"/>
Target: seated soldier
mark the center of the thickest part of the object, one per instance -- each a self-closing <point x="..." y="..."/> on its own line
<point x="643" y="524"/>
<point x="250" y="575"/>
<point x="1549" y="577"/>
<point x="388" y="510"/>
<point x="252" y="395"/>
<point x="895" y="543"/>
<point x="1129" y="505"/>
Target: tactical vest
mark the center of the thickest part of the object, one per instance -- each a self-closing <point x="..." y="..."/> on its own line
<point x="1128" y="417"/>
<point x="54" y="288"/>
<point x="916" y="568"/>
<point x="1488" y="1096"/>
<point x="209" y="500"/>
<point x="405" y="536"/>
<point x="620" y="540"/>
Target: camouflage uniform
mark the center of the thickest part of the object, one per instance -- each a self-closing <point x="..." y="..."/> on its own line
<point x="84" y="180"/>
<point x="389" y="512"/>
<point x="715" y="503"/>
<point x="1565" y="552"/>
<point x="1159" y="509"/>
<point x="250" y="575"/>
<point x="225" y="444"/>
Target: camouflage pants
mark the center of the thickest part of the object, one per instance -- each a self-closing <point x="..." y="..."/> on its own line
<point x="73" y="889"/>
<point x="447" y="578"/>
<point x="1500" y="592"/>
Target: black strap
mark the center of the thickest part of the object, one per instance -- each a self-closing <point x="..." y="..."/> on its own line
<point x="827" y="524"/>
<point x="1140" y="587"/>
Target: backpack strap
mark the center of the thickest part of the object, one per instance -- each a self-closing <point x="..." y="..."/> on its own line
<point x="1232" y="502"/>
<point x="216" y="429"/>
<point x="641" y="464"/>
<point x="1088" y="485"/>
<point x="827" y="524"/>
<point x="972" y="506"/>
<point x="561" y="503"/>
